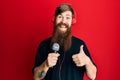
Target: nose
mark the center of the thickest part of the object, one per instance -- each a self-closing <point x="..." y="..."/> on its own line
<point x="63" y="19"/>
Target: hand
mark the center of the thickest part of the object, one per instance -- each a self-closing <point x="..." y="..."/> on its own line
<point x="81" y="59"/>
<point x="52" y="59"/>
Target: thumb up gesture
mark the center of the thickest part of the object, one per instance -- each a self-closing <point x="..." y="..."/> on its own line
<point x="80" y="59"/>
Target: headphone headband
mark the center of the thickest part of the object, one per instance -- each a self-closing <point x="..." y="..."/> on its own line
<point x="62" y="8"/>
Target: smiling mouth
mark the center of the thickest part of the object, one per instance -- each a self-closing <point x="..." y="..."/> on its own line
<point x="63" y="28"/>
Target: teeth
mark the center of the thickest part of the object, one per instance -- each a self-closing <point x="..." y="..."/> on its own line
<point x="62" y="26"/>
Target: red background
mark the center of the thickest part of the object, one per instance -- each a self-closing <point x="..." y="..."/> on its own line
<point x="25" y="23"/>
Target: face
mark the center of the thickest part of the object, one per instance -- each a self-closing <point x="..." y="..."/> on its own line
<point x="64" y="18"/>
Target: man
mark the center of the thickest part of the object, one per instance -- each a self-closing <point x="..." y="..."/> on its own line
<point x="72" y="59"/>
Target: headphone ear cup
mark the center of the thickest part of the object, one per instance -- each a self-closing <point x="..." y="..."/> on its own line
<point x="74" y="17"/>
<point x="53" y="20"/>
<point x="73" y="21"/>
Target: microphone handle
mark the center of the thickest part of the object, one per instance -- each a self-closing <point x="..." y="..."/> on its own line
<point x="55" y="51"/>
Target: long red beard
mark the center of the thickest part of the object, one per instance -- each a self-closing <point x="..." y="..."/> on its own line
<point x="62" y="38"/>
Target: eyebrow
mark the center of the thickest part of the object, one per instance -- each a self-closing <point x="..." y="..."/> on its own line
<point x="68" y="15"/>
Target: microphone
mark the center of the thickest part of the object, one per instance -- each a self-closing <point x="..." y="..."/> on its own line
<point x="55" y="47"/>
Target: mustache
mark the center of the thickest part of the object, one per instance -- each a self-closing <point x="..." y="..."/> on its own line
<point x="61" y="23"/>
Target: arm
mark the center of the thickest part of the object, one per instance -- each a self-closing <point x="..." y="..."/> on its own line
<point x="40" y="71"/>
<point x="91" y="69"/>
<point x="81" y="59"/>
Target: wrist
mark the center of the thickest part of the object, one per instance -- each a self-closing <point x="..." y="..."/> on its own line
<point x="88" y="61"/>
<point x="45" y="66"/>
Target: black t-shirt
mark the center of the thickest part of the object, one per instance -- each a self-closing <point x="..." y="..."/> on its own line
<point x="65" y="69"/>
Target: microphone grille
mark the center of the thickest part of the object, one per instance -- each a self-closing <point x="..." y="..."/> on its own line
<point x="55" y="47"/>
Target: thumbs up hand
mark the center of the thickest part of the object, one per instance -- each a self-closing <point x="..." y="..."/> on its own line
<point x="81" y="59"/>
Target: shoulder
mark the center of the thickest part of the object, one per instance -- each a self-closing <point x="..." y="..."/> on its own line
<point x="77" y="40"/>
<point x="45" y="42"/>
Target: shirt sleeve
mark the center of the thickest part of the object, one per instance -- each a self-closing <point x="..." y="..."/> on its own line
<point x="39" y="59"/>
<point x="86" y="51"/>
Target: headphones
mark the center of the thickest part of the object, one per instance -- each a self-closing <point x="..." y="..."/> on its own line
<point x="73" y="19"/>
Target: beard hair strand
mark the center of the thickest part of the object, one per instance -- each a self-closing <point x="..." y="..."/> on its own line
<point x="63" y="39"/>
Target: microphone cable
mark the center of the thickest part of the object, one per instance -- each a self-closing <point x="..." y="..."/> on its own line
<point x="61" y="65"/>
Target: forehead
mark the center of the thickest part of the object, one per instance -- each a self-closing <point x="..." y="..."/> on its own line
<point x="66" y="13"/>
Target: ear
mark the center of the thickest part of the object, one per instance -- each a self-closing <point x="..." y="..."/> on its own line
<point x="73" y="21"/>
<point x="74" y="18"/>
<point x="53" y="20"/>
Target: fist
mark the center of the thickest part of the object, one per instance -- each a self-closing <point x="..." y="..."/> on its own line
<point x="52" y="59"/>
<point x="80" y="59"/>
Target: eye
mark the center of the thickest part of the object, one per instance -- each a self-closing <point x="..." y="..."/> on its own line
<point x="68" y="18"/>
<point x="59" y="16"/>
